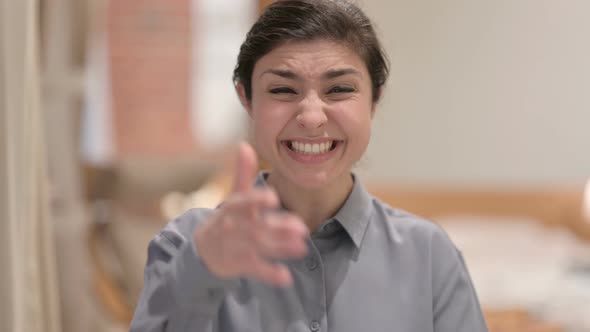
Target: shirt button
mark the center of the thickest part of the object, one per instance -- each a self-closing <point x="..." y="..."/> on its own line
<point x="311" y="263"/>
<point x="314" y="326"/>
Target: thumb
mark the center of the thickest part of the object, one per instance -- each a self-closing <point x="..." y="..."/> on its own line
<point x="246" y="169"/>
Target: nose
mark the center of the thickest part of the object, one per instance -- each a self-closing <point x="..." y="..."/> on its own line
<point x="312" y="114"/>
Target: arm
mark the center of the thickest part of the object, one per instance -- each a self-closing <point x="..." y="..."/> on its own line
<point x="455" y="306"/>
<point x="179" y="292"/>
<point x="189" y="267"/>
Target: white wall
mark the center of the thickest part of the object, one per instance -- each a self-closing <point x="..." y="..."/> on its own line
<point x="219" y="28"/>
<point x="483" y="92"/>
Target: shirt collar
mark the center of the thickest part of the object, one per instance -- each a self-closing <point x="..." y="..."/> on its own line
<point x="354" y="215"/>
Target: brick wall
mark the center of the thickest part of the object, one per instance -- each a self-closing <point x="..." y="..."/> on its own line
<point x="149" y="45"/>
<point x="264" y="3"/>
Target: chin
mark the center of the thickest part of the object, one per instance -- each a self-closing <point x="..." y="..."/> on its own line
<point x="313" y="180"/>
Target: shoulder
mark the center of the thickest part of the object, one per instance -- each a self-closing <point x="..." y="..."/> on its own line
<point x="179" y="230"/>
<point x="186" y="222"/>
<point x="407" y="227"/>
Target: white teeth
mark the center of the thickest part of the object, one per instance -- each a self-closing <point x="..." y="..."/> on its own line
<point x="308" y="148"/>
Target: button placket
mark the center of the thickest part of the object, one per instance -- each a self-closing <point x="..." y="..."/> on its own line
<point x="311" y="263"/>
<point x="315" y="296"/>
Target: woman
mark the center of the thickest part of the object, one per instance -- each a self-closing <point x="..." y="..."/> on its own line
<point x="304" y="246"/>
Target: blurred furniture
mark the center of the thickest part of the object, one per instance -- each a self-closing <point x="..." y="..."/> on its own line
<point x="517" y="320"/>
<point x="556" y="207"/>
<point x="127" y="205"/>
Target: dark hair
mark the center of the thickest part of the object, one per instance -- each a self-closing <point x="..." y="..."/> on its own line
<point x="306" y="20"/>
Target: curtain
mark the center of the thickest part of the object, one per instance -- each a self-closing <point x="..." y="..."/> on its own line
<point x="29" y="298"/>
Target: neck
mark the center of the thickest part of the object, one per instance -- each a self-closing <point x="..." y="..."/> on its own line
<point x="316" y="205"/>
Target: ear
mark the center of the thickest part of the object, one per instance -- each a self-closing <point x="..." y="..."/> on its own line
<point x="243" y="99"/>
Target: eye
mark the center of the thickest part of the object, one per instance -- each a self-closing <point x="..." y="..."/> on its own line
<point x="341" y="89"/>
<point x="282" y="90"/>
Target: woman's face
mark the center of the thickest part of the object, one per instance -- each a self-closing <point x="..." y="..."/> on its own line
<point x="311" y="110"/>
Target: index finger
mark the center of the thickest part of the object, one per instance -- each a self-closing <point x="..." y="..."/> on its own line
<point x="246" y="169"/>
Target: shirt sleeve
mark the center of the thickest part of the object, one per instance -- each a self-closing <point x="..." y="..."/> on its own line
<point x="179" y="292"/>
<point x="455" y="307"/>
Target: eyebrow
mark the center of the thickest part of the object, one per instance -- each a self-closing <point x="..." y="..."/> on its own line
<point x="331" y="74"/>
<point x="283" y="73"/>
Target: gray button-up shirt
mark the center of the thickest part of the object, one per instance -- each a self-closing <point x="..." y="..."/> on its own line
<point x="369" y="268"/>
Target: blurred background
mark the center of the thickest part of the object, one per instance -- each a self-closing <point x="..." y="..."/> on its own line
<point x="117" y="116"/>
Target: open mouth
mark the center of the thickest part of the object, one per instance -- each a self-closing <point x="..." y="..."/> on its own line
<point x="312" y="148"/>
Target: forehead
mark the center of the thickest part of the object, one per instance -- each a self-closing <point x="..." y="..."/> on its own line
<point x="310" y="58"/>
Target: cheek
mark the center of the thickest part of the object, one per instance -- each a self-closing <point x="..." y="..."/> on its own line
<point x="363" y="135"/>
<point x="268" y="121"/>
<point x="271" y="113"/>
<point x="357" y="123"/>
<point x="355" y="117"/>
